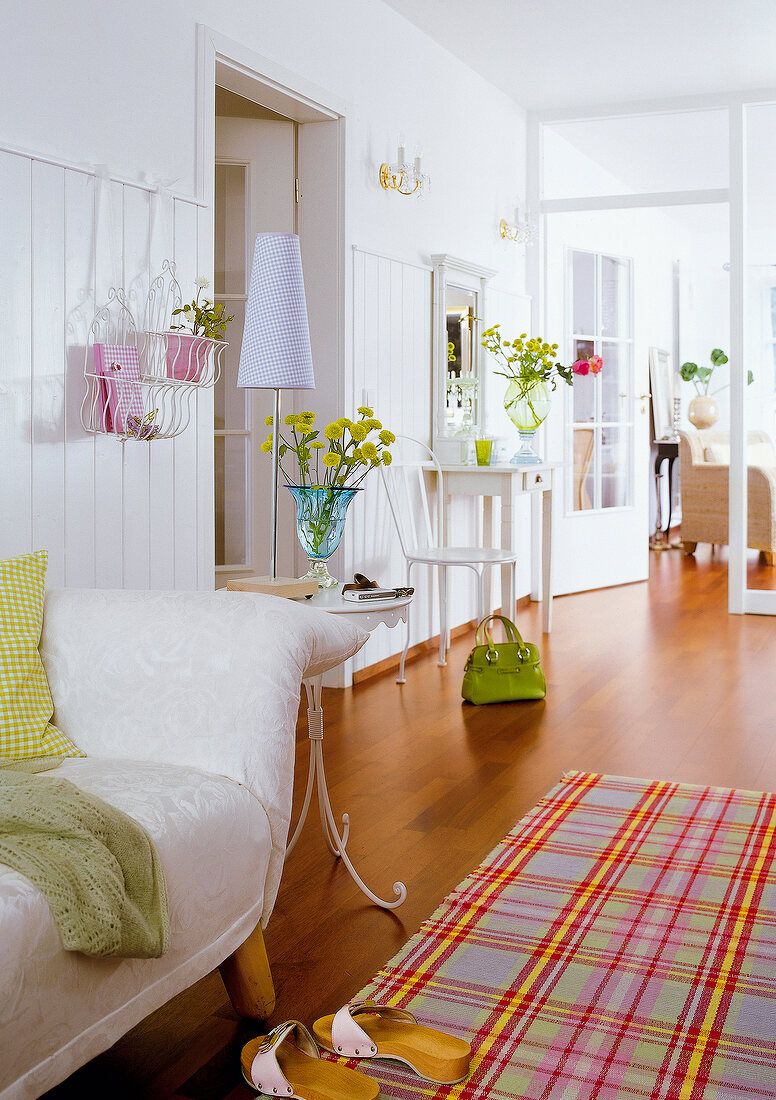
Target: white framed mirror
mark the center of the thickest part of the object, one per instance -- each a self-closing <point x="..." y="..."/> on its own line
<point x="458" y="378"/>
<point x="661" y="381"/>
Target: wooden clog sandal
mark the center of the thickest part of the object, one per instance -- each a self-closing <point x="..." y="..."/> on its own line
<point x="367" y="1030"/>
<point x="276" y="1066"/>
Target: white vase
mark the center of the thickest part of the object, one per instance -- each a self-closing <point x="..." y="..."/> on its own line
<point x="703" y="411"/>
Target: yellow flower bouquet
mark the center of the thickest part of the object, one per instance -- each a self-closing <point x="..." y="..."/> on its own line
<point x="342" y="458"/>
<point x="327" y="474"/>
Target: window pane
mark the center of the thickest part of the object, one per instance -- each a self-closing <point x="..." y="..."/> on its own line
<point x="584" y="386"/>
<point x="230" y="229"/>
<point x="229" y="405"/>
<point x="614" y="382"/>
<point x="584" y="489"/>
<point x="614" y="468"/>
<point x="583" y="292"/>
<point x="615" y="296"/>
<point x="231" y="474"/>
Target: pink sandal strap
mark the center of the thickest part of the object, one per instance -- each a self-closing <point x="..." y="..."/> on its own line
<point x="266" y="1074"/>
<point x="348" y="1037"/>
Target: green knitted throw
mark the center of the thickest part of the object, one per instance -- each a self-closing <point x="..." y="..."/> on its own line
<point x="97" y="867"/>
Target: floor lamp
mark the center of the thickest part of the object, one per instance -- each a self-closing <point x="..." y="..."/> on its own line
<point x="276" y="355"/>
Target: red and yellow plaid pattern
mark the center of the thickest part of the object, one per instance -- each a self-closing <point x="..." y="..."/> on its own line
<point x="620" y="942"/>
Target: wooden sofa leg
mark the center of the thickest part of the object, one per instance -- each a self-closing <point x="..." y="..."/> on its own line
<point x="248" y="980"/>
<point x="689" y="547"/>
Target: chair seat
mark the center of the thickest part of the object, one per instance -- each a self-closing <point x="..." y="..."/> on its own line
<point x="461" y="555"/>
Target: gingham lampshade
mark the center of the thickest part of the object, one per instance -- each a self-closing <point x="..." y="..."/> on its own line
<point x="276" y="339"/>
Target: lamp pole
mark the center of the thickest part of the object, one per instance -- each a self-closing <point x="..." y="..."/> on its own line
<point x="273" y="546"/>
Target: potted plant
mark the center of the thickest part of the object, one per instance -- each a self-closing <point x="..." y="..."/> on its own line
<point x="703" y="410"/>
<point x="203" y="323"/>
<point x="532" y="371"/>
<point x="326" y="476"/>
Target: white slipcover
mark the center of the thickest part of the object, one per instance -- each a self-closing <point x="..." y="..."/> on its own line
<point x="186" y="704"/>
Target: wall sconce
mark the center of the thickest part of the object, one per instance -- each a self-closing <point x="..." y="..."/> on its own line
<point x="521" y="232"/>
<point x="402" y="177"/>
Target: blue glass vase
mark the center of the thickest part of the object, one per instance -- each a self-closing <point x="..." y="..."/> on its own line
<point x="320" y="521"/>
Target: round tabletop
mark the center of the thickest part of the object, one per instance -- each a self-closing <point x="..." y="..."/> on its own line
<point x="366" y="613"/>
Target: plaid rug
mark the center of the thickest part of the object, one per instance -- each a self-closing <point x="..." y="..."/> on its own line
<point x="620" y="942"/>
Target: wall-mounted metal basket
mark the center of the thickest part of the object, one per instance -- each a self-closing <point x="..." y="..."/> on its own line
<point x="143" y="384"/>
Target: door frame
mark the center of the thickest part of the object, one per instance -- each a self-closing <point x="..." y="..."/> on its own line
<point x="321" y="119"/>
<point x="536" y="260"/>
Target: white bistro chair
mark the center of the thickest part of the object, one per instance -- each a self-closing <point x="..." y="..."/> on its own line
<point x="405" y="484"/>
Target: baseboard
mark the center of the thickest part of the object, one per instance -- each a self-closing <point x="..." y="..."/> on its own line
<point x="388" y="664"/>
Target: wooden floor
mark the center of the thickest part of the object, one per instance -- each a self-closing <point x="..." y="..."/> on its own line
<point x="650" y="680"/>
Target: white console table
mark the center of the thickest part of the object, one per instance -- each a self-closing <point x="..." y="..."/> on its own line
<point x="507" y="482"/>
<point x="367" y="614"/>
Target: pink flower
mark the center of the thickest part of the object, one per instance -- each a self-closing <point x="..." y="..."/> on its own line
<point x="581" y="366"/>
<point x="596" y="362"/>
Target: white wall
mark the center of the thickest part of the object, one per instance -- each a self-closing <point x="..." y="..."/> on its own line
<point x="115" y="85"/>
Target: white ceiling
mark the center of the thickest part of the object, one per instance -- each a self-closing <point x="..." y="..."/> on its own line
<point x="565" y="53"/>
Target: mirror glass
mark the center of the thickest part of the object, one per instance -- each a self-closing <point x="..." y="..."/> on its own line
<point x="461" y="381"/>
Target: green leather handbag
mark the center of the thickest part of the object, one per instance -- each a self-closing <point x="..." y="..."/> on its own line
<point x="502" y="672"/>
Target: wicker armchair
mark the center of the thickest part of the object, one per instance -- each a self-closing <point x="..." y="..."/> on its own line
<point x="704" y="458"/>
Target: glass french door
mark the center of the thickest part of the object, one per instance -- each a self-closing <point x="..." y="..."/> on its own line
<point x="599" y="444"/>
<point x="599" y="428"/>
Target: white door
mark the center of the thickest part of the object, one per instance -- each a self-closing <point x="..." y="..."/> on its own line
<point x="599" y="427"/>
<point x="255" y="191"/>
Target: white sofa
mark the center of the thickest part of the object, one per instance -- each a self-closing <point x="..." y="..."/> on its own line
<point x="186" y="705"/>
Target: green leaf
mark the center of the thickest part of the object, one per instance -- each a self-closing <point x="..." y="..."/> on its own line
<point x="688" y="371"/>
<point x="749" y="378"/>
<point x="718" y="357"/>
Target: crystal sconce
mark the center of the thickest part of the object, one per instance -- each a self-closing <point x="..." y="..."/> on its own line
<point x="403" y="177"/>
<point x="521" y="232"/>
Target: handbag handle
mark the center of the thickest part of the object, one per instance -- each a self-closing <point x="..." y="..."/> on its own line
<point x="513" y="635"/>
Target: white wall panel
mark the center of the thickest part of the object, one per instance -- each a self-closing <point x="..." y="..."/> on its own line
<point x="48" y="363"/>
<point x="186" y="446"/>
<point x="80" y="450"/>
<point x="391" y="372"/>
<point x="16" y="350"/>
<point x="110" y="514"/>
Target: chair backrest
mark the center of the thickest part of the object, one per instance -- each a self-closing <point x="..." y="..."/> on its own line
<point x="712" y="447"/>
<point x="405" y="485"/>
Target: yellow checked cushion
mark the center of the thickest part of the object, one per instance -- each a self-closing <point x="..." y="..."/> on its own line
<point x="25" y="700"/>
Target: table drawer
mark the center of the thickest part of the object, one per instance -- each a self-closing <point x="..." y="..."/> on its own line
<point x="535" y="479"/>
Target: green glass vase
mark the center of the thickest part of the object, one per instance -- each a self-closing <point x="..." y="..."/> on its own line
<point x="527" y="409"/>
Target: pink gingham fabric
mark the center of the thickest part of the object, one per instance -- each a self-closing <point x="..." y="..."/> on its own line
<point x="118" y="367"/>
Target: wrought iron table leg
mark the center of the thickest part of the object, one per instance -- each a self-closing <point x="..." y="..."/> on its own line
<point x="335" y="841"/>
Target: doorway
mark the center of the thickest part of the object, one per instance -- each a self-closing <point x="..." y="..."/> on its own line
<point x="274" y="161"/>
<point x="256" y="190"/>
<point x="618" y="224"/>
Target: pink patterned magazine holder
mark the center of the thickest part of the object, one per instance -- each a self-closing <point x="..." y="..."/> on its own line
<point x="118" y="366"/>
<point x="187" y="356"/>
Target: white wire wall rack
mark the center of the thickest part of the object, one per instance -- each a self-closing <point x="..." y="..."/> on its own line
<point x="142" y="384"/>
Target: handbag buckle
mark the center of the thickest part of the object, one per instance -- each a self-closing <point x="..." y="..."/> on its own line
<point x="523" y="654"/>
<point x="491" y="656"/>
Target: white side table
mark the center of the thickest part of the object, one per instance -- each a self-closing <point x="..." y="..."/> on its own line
<point x="367" y="614"/>
<point x="507" y="482"/>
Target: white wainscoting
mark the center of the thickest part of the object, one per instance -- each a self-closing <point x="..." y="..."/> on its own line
<point x="127" y="515"/>
<point x="392" y="372"/>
